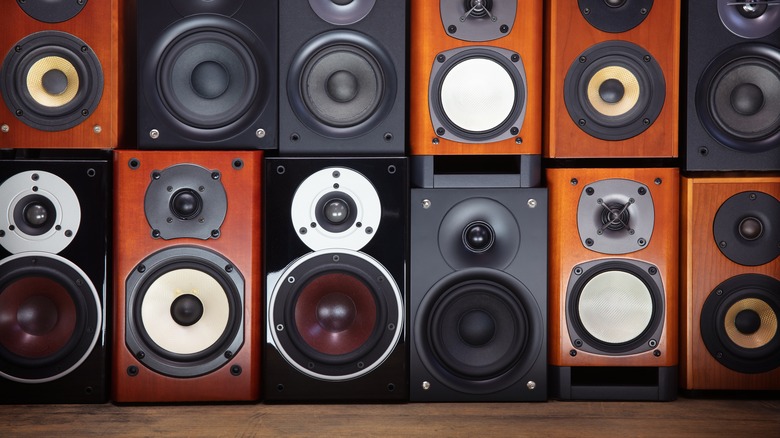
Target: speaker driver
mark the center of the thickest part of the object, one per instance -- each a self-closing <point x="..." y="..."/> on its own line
<point x="342" y="12"/>
<point x="52" y="80"/>
<point x="615" y="16"/>
<point x="746" y="229"/>
<point x="52" y="11"/>
<point x="738" y="98"/>
<point x="335" y="315"/>
<point x="477" y="94"/>
<point x="739" y="323"/>
<point x="185" y="311"/>
<point x="50" y="317"/>
<point x="341" y="84"/>
<point x="749" y="19"/>
<point x="478" y="330"/>
<point x="614" y="90"/>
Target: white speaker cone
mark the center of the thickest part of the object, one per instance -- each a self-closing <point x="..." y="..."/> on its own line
<point x="615" y="307"/>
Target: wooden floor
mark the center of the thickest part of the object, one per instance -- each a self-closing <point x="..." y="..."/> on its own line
<point x="683" y="417"/>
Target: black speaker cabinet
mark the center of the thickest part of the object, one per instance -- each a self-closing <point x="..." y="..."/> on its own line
<point x="207" y="74"/>
<point x="54" y="244"/>
<point x="335" y="260"/>
<point x="478" y="294"/>
<point x="733" y="85"/>
<point x="342" y="77"/>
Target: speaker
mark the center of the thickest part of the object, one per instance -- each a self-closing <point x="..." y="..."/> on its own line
<point x="613" y="283"/>
<point x="60" y="75"/>
<point x="612" y="69"/>
<point x="187" y="276"/>
<point x="733" y="86"/>
<point x="54" y="248"/>
<point x="336" y="260"/>
<point x="476" y="77"/>
<point x="478" y="302"/>
<point x="207" y="74"/>
<point x="729" y="301"/>
<point x="342" y="77"/>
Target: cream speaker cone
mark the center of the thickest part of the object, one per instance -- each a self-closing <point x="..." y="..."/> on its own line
<point x="35" y="81"/>
<point x="766" y="331"/>
<point x="615" y="307"/>
<point x="630" y="96"/>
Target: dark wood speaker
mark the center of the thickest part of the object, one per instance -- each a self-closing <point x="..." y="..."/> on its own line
<point x="475" y="82"/>
<point x="60" y="75"/>
<point x="613" y="281"/>
<point x="187" y="276"/>
<point x="730" y="275"/>
<point x="612" y="78"/>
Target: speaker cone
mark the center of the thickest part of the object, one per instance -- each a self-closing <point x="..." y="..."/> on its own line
<point x="52" y="80"/>
<point x="749" y="19"/>
<point x="745" y="228"/>
<point x="335" y="315"/>
<point x="50" y="317"/>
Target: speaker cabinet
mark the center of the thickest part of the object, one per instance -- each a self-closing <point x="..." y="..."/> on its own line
<point x="342" y="77"/>
<point x="335" y="257"/>
<point x="731" y="282"/>
<point x="54" y="247"/>
<point x="60" y="74"/>
<point x="733" y="86"/>
<point x="476" y="77"/>
<point x="207" y="74"/>
<point x="187" y="276"/>
<point x="613" y="283"/>
<point x="478" y="302"/>
<point x="612" y="70"/>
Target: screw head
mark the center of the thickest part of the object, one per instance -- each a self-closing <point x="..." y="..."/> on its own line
<point x="5" y="128"/>
<point x="97" y="129"/>
<point x="154" y="134"/>
<point x="531" y="385"/>
<point x="426" y="385"/>
<point x="532" y="203"/>
<point x="260" y="133"/>
<point x="426" y="203"/>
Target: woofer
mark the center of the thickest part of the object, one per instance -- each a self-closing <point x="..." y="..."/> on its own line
<point x="745" y="228"/>
<point x="50" y="317"/>
<point x="52" y="80"/>
<point x="615" y="16"/>
<point x="52" y="11"/>
<point x="749" y="19"/>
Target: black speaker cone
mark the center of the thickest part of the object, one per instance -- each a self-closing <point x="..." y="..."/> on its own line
<point x="750" y="228"/>
<point x="478" y="236"/>
<point x="35" y="215"/>
<point x="186" y="309"/>
<point x="186" y="204"/>
<point x="336" y="212"/>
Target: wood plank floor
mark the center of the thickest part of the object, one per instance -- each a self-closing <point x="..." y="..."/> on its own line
<point x="683" y="417"/>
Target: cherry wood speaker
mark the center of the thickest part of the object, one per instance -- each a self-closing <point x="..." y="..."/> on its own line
<point x="733" y="85"/>
<point x="730" y="283"/>
<point x="612" y="69"/>
<point x="60" y="74"/>
<point x="187" y="276"/>
<point x="475" y="77"/>
<point x="613" y="283"/>
<point x="54" y="275"/>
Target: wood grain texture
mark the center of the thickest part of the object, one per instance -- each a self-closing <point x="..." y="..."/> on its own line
<point x="702" y="268"/>
<point x="567" y="35"/>
<point x="98" y="26"/>
<point x="239" y="242"/>
<point x="566" y="251"/>
<point x="428" y="38"/>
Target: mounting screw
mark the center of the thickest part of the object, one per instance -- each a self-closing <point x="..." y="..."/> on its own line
<point x="519" y="140"/>
<point x="426" y="203"/>
<point x="658" y="181"/>
<point x="572" y="353"/>
<point x="653" y="343"/>
<point x="426" y="385"/>
<point x="441" y="58"/>
<point x="532" y="203"/>
<point x="504" y="28"/>
<point x="531" y="385"/>
<point x="586" y="11"/>
<point x="435" y="141"/>
<point x="589" y="241"/>
<point x="657" y="353"/>
<point x="440" y="131"/>
<point x="5" y="128"/>
<point x="235" y="370"/>
<point x="589" y="191"/>
<point x="154" y="134"/>
<point x="452" y="28"/>
<point x="97" y="129"/>
<point x="260" y="133"/>
<point x="652" y="270"/>
<point x="574" y="181"/>
<point x="578" y="343"/>
<point x="132" y="371"/>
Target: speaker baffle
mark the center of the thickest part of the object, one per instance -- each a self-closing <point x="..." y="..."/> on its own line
<point x="185" y="308"/>
<point x="615" y="307"/>
<point x="336" y="207"/>
<point x="342" y="12"/>
<point x="185" y="200"/>
<point x="50" y="317"/>
<point x="342" y="84"/>
<point x="738" y="97"/>
<point x="52" y="11"/>
<point x="227" y="8"/>
<point x="615" y="16"/>
<point x="52" y="81"/>
<point x="614" y="90"/>
<point x="746" y="229"/>
<point x="479" y="232"/>
<point x="749" y="19"/>
<point x="739" y="323"/>
<point x="43" y="213"/>
<point x="335" y="315"/>
<point x="478" y="20"/>
<point x="615" y="216"/>
<point x="477" y="95"/>
<point x="478" y="330"/>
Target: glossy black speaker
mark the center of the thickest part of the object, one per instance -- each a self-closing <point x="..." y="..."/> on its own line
<point x="733" y="85"/>
<point x="478" y="294"/>
<point x="335" y="260"/>
<point x="54" y="244"/>
<point x="342" y="76"/>
<point x="207" y="74"/>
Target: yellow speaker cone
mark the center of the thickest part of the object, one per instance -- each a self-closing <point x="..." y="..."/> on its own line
<point x="52" y="81"/>
<point x="767" y="329"/>
<point x="623" y="101"/>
